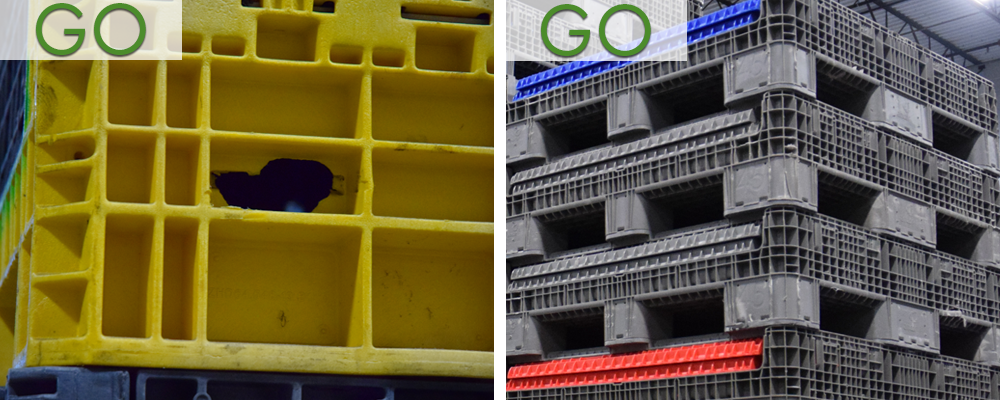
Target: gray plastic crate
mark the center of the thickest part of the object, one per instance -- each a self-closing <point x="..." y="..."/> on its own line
<point x="803" y="364"/>
<point x="772" y="181"/>
<point x="889" y="109"/>
<point x="855" y="271"/>
<point x="820" y="133"/>
<point x="778" y="65"/>
<point x="837" y="36"/>
<point x="852" y="157"/>
<point x="76" y="383"/>
<point x="639" y="322"/>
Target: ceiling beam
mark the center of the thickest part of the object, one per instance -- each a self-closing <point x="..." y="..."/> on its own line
<point x="863" y="3"/>
<point x="986" y="10"/>
<point x="949" y="45"/>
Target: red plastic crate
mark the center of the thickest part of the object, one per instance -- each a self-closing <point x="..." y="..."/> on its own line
<point x="701" y="359"/>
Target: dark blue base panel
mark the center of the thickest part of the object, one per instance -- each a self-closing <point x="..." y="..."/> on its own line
<point x="75" y="383"/>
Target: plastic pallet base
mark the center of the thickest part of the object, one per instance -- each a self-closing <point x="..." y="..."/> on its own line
<point x="808" y="365"/>
<point x="832" y="32"/>
<point x="784" y="269"/>
<point x="787" y="143"/>
<point x="75" y="383"/>
<point x="136" y="256"/>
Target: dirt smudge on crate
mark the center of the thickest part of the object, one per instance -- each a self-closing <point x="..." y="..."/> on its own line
<point x="48" y="102"/>
<point x="417" y="138"/>
<point x="281" y="317"/>
<point x="233" y="348"/>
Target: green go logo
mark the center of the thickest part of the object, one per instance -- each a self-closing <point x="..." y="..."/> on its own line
<point x="585" y="33"/>
<point x="80" y="33"/>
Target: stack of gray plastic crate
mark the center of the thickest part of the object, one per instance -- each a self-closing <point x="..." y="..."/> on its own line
<point x="813" y="179"/>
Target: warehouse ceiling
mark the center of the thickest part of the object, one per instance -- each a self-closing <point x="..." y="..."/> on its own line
<point x="966" y="31"/>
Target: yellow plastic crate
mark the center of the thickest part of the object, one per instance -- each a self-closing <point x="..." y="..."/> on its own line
<point x="135" y="258"/>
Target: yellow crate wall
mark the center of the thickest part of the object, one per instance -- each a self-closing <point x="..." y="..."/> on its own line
<point x="138" y="261"/>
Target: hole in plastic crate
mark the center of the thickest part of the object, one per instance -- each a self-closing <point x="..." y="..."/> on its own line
<point x="191" y="43"/>
<point x="444" y="49"/>
<point x="846" y="314"/>
<point x="182" y="170"/>
<point x="436" y="284"/>
<point x="251" y="3"/>
<point x="686" y="205"/>
<point x="127" y="260"/>
<point x="282" y="185"/>
<point x="62" y="238"/>
<point x="683" y="318"/>
<point x="346" y="54"/>
<point x="962" y="342"/>
<point x="842" y="90"/>
<point x="580" y="129"/>
<point x="445" y="14"/>
<point x="577" y="330"/>
<point x="581" y="229"/>
<point x="132" y="85"/>
<point x="427" y="394"/>
<point x="324" y="6"/>
<point x="284" y="99"/>
<point x="432" y="185"/>
<point x="959" y="140"/>
<point x="489" y="65"/>
<point x="687" y="101"/>
<point x="33" y="386"/>
<point x="62" y="150"/>
<point x="183" y="99"/>
<point x="959" y="241"/>
<point x="317" y="392"/>
<point x="844" y="200"/>
<point x="62" y="96"/>
<point x="228" y="46"/>
<point x="180" y="239"/>
<point x="388" y="57"/>
<point x="240" y="155"/>
<point x="222" y="390"/>
<point x="413" y="107"/>
<point x="64" y="186"/>
<point x="130" y="166"/>
<point x="284" y="284"/>
<point x="170" y="389"/>
<point x="286" y="37"/>
<point x="56" y="309"/>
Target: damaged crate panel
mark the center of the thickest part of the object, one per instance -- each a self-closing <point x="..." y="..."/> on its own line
<point x="267" y="203"/>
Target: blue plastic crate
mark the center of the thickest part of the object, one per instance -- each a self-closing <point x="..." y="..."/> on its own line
<point x="699" y="29"/>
